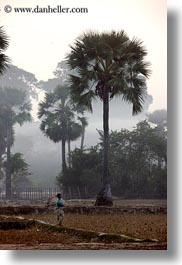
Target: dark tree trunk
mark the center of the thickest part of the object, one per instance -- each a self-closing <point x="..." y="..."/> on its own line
<point x="69" y="153"/>
<point x="8" y="164"/>
<point x="104" y="197"/>
<point x="106" y="140"/>
<point x="63" y="155"/>
<point x="82" y="138"/>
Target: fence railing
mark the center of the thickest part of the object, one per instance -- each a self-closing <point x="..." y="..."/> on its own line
<point x="37" y="193"/>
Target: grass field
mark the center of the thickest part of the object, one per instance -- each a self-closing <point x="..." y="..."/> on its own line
<point x="146" y="226"/>
<point x="137" y="224"/>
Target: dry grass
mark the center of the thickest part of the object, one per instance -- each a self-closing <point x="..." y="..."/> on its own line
<point x="147" y="226"/>
<point x="140" y="225"/>
<point x="35" y="236"/>
<point x="118" y="202"/>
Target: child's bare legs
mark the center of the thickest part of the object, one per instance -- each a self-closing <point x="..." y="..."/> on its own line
<point x="60" y="216"/>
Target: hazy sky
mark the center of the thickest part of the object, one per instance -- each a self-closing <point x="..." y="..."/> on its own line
<point x="39" y="41"/>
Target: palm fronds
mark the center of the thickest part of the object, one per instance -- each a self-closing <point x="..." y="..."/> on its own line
<point x="4" y="42"/>
<point x="108" y="62"/>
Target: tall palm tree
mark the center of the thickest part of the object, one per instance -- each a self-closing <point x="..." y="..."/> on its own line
<point x="58" y="119"/>
<point x="14" y="109"/>
<point x="80" y="112"/>
<point x="74" y="132"/>
<point x="4" y="60"/>
<point x="107" y="65"/>
<point x="84" y="124"/>
<point x="2" y="139"/>
<point x="77" y="128"/>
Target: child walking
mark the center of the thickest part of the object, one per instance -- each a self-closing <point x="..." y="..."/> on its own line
<point x="59" y="209"/>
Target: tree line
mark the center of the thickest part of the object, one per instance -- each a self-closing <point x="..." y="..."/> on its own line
<point x="137" y="163"/>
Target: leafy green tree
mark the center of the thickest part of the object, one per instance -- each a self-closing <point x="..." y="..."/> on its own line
<point x="14" y="109"/>
<point x="85" y="170"/>
<point x="19" y="171"/>
<point x="4" y="60"/>
<point x="137" y="162"/>
<point x="104" y="66"/>
<point x="134" y="166"/>
<point x="158" y="117"/>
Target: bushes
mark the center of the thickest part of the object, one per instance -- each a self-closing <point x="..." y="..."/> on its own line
<point x="138" y="166"/>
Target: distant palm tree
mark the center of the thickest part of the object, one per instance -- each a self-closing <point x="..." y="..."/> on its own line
<point x="74" y="132"/>
<point x="58" y="119"/>
<point x="4" y="60"/>
<point x="107" y="65"/>
<point x="2" y="139"/>
<point x="14" y="108"/>
<point x="78" y="128"/>
<point x="84" y="124"/>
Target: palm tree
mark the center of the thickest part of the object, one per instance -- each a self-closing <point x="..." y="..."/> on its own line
<point x="14" y="109"/>
<point x="58" y="117"/>
<point x="3" y="46"/>
<point x="80" y="111"/>
<point x="76" y="129"/>
<point x="74" y="132"/>
<point x="84" y="124"/>
<point x="107" y="65"/>
<point x="2" y="139"/>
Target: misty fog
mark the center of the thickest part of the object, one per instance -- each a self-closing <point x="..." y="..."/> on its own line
<point x="44" y="156"/>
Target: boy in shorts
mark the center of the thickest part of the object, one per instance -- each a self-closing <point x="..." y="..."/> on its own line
<point x="59" y="209"/>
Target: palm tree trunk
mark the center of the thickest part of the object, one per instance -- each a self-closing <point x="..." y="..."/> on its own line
<point x="63" y="155"/>
<point x="104" y="197"/>
<point x="106" y="140"/>
<point x="8" y="164"/>
<point x="69" y="153"/>
<point x="82" y="137"/>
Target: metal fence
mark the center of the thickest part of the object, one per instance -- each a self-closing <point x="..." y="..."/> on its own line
<point x="31" y="193"/>
<point x="37" y="193"/>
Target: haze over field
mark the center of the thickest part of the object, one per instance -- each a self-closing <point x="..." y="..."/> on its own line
<point x="37" y="148"/>
<point x="38" y="42"/>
